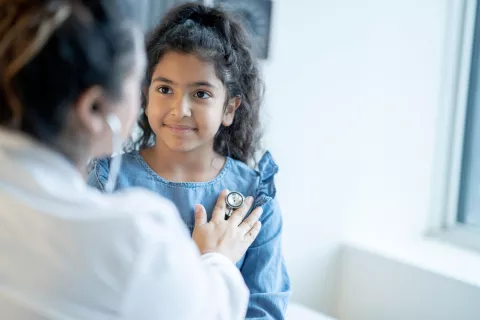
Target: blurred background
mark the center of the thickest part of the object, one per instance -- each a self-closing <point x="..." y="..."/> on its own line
<point x="371" y="112"/>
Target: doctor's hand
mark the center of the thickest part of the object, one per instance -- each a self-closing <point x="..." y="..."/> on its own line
<point x="230" y="237"/>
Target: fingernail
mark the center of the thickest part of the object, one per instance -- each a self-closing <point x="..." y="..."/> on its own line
<point x="198" y="208"/>
<point x="249" y="200"/>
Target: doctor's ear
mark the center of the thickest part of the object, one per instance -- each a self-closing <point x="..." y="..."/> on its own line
<point x="90" y="109"/>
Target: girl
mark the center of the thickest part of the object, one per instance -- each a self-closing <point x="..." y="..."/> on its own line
<point x="200" y="128"/>
<point x="70" y="78"/>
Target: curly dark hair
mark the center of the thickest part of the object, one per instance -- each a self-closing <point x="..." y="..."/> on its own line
<point x="215" y="35"/>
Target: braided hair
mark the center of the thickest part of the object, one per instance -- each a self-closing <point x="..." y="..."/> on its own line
<point x="214" y="35"/>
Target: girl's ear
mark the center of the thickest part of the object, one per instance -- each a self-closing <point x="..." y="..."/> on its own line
<point x="229" y="114"/>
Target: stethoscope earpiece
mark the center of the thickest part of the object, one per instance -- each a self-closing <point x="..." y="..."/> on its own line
<point x="114" y="124"/>
<point x="115" y="163"/>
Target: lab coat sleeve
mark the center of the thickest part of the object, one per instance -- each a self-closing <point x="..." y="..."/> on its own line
<point x="171" y="280"/>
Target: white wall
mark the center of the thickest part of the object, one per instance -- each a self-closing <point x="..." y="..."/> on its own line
<point x="396" y="120"/>
<point x="312" y="78"/>
<point x="353" y="99"/>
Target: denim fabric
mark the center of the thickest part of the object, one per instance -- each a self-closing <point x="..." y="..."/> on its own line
<point x="262" y="266"/>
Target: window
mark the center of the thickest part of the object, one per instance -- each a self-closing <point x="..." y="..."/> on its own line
<point x="469" y="195"/>
<point x="456" y="199"/>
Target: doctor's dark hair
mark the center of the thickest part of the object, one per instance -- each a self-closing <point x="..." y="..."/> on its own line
<point x="213" y="35"/>
<point x="51" y="51"/>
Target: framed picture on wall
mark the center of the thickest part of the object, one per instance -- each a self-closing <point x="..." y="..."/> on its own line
<point x="256" y="15"/>
<point x="149" y="12"/>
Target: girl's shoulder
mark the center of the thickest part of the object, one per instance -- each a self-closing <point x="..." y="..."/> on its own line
<point x="260" y="178"/>
<point x="99" y="168"/>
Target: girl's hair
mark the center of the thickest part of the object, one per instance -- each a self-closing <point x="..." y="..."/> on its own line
<point x="217" y="36"/>
<point x="51" y="51"/>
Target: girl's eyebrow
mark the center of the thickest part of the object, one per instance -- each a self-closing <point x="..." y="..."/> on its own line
<point x="201" y="83"/>
<point x="163" y="79"/>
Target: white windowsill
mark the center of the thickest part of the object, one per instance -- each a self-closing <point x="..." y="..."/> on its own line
<point x="467" y="237"/>
<point x="430" y="253"/>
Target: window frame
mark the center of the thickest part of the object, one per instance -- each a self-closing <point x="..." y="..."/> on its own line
<point x="454" y="98"/>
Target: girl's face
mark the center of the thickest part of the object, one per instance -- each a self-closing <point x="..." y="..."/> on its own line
<point x="186" y="103"/>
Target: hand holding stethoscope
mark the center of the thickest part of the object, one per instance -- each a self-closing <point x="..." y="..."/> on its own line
<point x="228" y="232"/>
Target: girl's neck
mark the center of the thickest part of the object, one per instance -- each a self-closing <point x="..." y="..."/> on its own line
<point x="199" y="165"/>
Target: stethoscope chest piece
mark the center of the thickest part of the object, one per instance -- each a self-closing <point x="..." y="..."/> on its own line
<point x="234" y="201"/>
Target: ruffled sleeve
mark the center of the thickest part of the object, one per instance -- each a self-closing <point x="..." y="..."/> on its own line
<point x="264" y="268"/>
<point x="267" y="168"/>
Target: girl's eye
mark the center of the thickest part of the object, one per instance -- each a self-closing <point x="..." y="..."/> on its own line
<point x="164" y="90"/>
<point x="202" y="95"/>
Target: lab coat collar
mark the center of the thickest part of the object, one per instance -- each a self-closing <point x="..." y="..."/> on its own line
<point x="27" y="164"/>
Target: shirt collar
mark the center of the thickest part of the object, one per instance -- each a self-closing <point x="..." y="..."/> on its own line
<point x="31" y="165"/>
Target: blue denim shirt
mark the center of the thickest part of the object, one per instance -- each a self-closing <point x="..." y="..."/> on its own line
<point x="262" y="266"/>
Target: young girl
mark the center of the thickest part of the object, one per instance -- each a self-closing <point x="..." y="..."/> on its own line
<point x="200" y="128"/>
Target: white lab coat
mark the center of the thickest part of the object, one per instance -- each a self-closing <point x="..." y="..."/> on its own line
<point x="69" y="252"/>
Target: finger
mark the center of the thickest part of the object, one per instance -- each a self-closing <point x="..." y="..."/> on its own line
<point x="239" y="214"/>
<point x="250" y="221"/>
<point x="200" y="215"/>
<point x="253" y="233"/>
<point x="221" y="207"/>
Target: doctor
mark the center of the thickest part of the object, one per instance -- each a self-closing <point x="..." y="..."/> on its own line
<point x="70" y="78"/>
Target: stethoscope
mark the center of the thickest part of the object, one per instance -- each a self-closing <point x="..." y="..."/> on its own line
<point x="116" y="161"/>
<point x="234" y="201"/>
